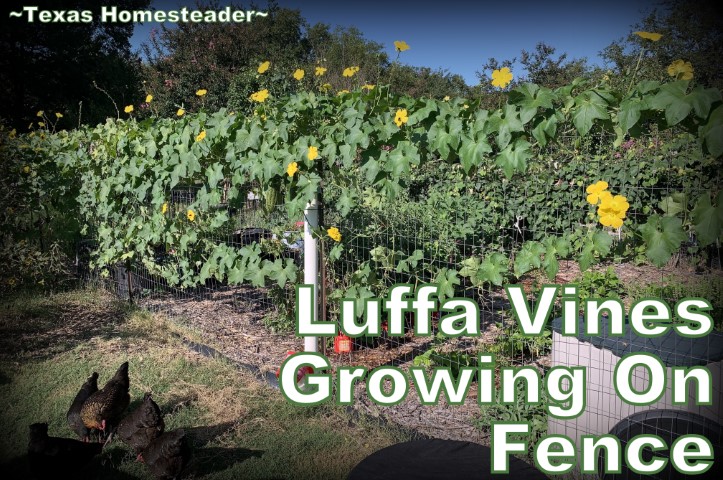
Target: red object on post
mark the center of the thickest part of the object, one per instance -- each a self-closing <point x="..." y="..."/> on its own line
<point x="342" y="344"/>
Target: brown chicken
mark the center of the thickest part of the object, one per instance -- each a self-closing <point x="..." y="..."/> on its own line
<point x="76" y="424"/>
<point x="104" y="409"/>
<point x="142" y="425"/>
<point x="167" y="455"/>
<point x="57" y="457"/>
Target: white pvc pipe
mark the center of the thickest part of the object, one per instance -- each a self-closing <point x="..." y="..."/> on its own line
<point x="311" y="264"/>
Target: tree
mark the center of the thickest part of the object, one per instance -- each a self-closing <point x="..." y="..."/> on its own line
<point x="55" y="66"/>
<point x="546" y="70"/>
<point x="691" y="31"/>
<point x="193" y="56"/>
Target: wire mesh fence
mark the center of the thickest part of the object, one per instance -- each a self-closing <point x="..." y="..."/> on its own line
<point x="424" y="236"/>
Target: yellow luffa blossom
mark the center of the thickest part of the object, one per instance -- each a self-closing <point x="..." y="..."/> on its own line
<point x="299" y="74"/>
<point x="201" y="92"/>
<point x="368" y="86"/>
<point x="334" y="234"/>
<point x="13" y="133"/>
<point x="612" y="209"/>
<point x="164" y="208"/>
<point x="42" y="124"/>
<point x="401" y="117"/>
<point x="350" y="71"/>
<point x="681" y="70"/>
<point x="400" y="46"/>
<point x="201" y="136"/>
<point x="342" y="92"/>
<point x="313" y="153"/>
<point x="319" y="71"/>
<point x="149" y="98"/>
<point x="26" y="169"/>
<point x="40" y="113"/>
<point x="263" y="67"/>
<point x="191" y="215"/>
<point x="649" y="35"/>
<point x="128" y="109"/>
<point x="292" y="169"/>
<point x="446" y="98"/>
<point x="501" y="78"/>
<point x="595" y="190"/>
<point x="180" y="112"/>
<point x="260" y="96"/>
<point x="325" y="87"/>
<point x="58" y="115"/>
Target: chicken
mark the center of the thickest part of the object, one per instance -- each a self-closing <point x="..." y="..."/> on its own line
<point x="104" y="409"/>
<point x="57" y="457"/>
<point x="142" y="425"/>
<point x="76" y="424"/>
<point x="167" y="455"/>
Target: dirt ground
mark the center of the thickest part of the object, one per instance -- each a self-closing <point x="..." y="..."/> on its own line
<point x="226" y="321"/>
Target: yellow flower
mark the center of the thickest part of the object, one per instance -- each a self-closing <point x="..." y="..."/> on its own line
<point x="319" y="71"/>
<point x="42" y="124"/>
<point x="368" y="86"/>
<point x="26" y="169"/>
<point x="260" y="96"/>
<point x="201" y="92"/>
<point x="128" y="109"/>
<point x="342" y="92"/>
<point x="325" y="87"/>
<point x="40" y="113"/>
<point x="350" y="71"/>
<point x="446" y="98"/>
<point x="149" y="98"/>
<point x="649" y="35"/>
<point x="401" y="45"/>
<point x="13" y="133"/>
<point x="681" y="70"/>
<point x="201" y="136"/>
<point x="180" y="112"/>
<point x="595" y="190"/>
<point x="334" y="233"/>
<point x="164" y="208"/>
<point x="263" y="67"/>
<point x="401" y="117"/>
<point x="191" y="215"/>
<point x="313" y="153"/>
<point x="501" y="78"/>
<point x="292" y="169"/>
<point x="299" y="74"/>
<point x="58" y="115"/>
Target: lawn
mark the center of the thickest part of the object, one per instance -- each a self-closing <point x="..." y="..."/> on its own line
<point x="238" y="426"/>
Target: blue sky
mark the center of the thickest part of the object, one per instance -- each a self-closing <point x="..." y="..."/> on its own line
<point x="460" y="36"/>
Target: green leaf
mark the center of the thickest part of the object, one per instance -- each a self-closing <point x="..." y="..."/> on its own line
<point x="674" y="204"/>
<point x="514" y="158"/>
<point x="446" y="279"/>
<point x="602" y="241"/>
<point x="492" y="269"/>
<point x="472" y="153"/>
<point x="663" y="236"/>
<point x="528" y="258"/>
<point x="712" y="132"/>
<point x="589" y="107"/>
<point x="708" y="219"/>
<point x="672" y="99"/>
<point x="509" y="124"/>
<point x="629" y="113"/>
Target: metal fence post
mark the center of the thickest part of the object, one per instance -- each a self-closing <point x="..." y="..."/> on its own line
<point x="311" y="264"/>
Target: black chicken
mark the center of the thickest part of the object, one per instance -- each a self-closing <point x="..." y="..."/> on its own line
<point x="104" y="409"/>
<point x="57" y="457"/>
<point x="167" y="455"/>
<point x="76" y="423"/>
<point x="142" y="425"/>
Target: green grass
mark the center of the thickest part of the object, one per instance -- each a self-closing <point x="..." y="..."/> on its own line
<point x="238" y="427"/>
